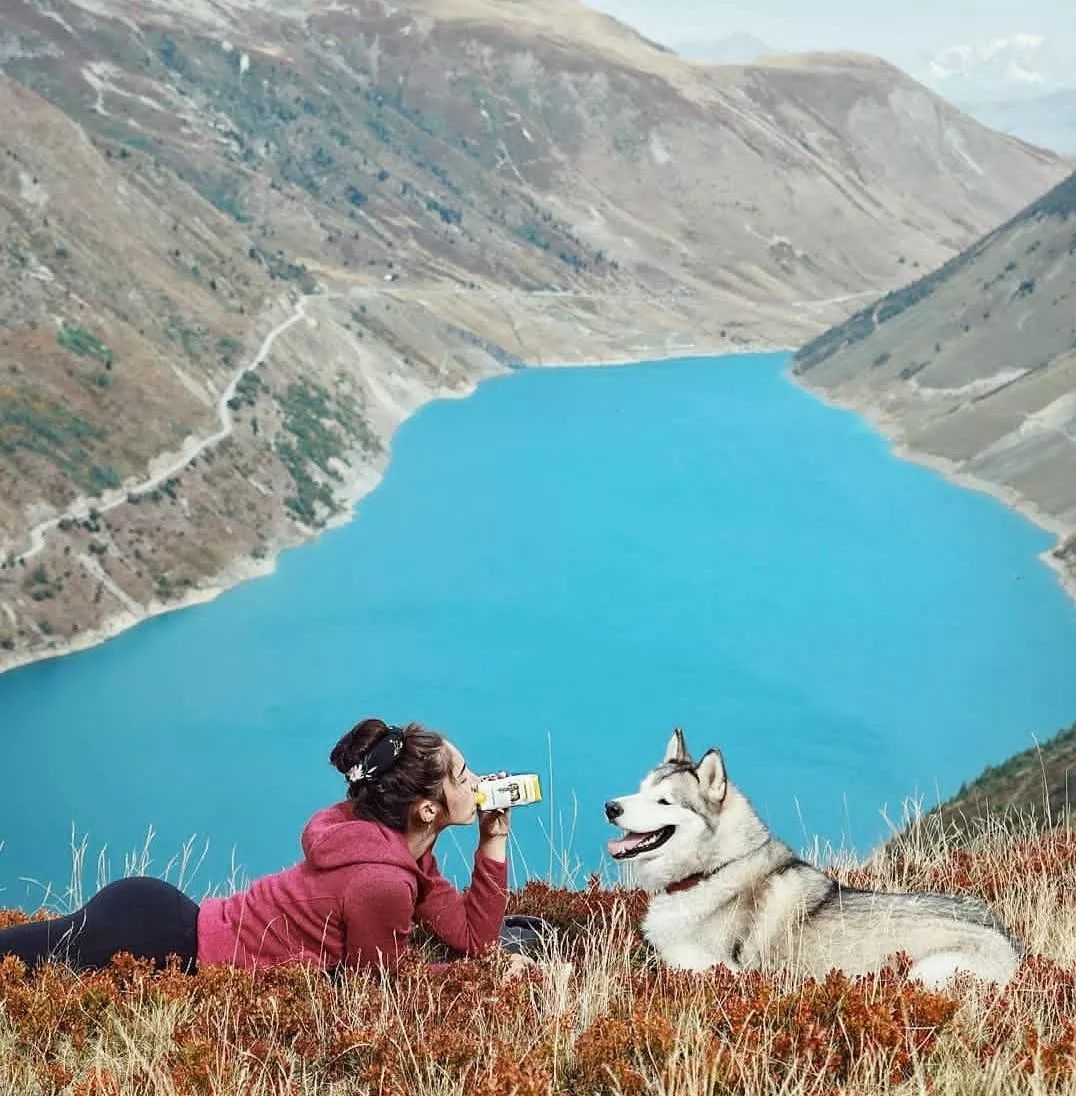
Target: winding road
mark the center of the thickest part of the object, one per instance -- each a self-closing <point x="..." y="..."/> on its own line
<point x="80" y="510"/>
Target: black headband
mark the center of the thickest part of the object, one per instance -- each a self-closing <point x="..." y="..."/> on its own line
<point x="378" y="757"/>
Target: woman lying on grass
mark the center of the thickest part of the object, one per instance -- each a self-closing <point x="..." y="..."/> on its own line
<point x="368" y="873"/>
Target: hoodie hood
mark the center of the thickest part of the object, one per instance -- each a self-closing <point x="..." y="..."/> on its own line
<point x="335" y="838"/>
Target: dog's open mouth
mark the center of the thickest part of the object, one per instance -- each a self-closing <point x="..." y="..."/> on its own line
<point x="631" y="844"/>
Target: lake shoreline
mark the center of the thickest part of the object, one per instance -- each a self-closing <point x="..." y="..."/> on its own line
<point x="1007" y="496"/>
<point x="361" y="483"/>
<point x="367" y="478"/>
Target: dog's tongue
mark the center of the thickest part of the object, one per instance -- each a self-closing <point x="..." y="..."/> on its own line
<point x="617" y="846"/>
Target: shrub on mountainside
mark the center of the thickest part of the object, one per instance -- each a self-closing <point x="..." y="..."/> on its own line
<point x="40" y="585"/>
<point x="246" y="390"/>
<point x="48" y="431"/>
<point x="532" y="234"/>
<point x="447" y="214"/>
<point x="324" y="427"/>
<point x="103" y="477"/>
<point x="84" y="343"/>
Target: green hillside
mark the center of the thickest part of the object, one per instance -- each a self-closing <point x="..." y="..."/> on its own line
<point x="1035" y="782"/>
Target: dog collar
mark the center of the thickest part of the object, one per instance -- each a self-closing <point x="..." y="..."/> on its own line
<point x="690" y="881"/>
<point x="687" y="882"/>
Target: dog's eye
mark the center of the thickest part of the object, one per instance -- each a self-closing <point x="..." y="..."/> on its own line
<point x="664" y="802"/>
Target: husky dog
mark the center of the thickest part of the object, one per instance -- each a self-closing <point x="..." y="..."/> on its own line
<point x="725" y="891"/>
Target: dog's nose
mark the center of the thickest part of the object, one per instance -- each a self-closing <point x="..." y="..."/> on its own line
<point x="613" y="810"/>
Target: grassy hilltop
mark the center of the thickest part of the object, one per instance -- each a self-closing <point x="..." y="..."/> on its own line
<point x="613" y="1023"/>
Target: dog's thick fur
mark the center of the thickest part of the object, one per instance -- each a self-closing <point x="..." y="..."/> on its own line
<point x="725" y="891"/>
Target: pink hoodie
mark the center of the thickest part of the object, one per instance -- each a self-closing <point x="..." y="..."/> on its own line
<point x="352" y="900"/>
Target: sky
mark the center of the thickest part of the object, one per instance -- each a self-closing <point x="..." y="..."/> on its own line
<point x="905" y="33"/>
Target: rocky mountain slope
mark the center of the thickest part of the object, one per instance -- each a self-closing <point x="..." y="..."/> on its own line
<point x="974" y="366"/>
<point x="241" y="240"/>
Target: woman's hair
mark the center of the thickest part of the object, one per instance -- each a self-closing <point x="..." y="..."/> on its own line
<point x="417" y="773"/>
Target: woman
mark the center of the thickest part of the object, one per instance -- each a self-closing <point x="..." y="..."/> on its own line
<point x="367" y="874"/>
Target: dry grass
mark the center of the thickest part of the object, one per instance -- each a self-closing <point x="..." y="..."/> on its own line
<point x="614" y="1022"/>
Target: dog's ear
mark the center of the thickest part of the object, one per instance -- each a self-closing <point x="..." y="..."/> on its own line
<point x="676" y="750"/>
<point x="713" y="783"/>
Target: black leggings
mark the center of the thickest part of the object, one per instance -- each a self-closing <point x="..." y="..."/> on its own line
<point x="147" y="917"/>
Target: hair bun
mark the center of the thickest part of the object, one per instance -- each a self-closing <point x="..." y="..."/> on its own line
<point x="385" y="779"/>
<point x="349" y="750"/>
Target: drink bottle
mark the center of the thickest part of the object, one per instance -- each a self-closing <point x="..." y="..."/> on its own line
<point x="494" y="793"/>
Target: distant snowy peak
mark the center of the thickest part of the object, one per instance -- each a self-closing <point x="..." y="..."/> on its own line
<point x="998" y="68"/>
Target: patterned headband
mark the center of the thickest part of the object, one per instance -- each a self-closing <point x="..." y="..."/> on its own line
<point x="378" y="757"/>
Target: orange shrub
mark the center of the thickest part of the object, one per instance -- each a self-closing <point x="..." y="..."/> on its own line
<point x="613" y="1054"/>
<point x="628" y="1027"/>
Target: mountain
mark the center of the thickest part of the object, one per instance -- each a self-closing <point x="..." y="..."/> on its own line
<point x="1048" y="120"/>
<point x="734" y="48"/>
<point x="973" y="368"/>
<point x="243" y="239"/>
<point x="1020" y="85"/>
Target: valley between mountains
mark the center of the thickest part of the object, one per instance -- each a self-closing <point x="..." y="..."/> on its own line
<point x="240" y="242"/>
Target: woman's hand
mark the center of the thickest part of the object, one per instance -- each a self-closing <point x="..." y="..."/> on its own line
<point x="493" y="834"/>
<point x="493" y="824"/>
<point x="493" y="831"/>
<point x="517" y="964"/>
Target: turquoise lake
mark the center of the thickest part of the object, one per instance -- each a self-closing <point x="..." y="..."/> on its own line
<point x="560" y="569"/>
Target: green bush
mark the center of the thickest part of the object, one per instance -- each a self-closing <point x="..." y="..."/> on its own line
<point x="82" y="342"/>
<point x="531" y="234"/>
<point x="104" y="476"/>
<point x="322" y="427"/>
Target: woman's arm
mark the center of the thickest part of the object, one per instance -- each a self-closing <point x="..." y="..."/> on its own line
<point x="493" y="829"/>
<point x="467" y="922"/>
